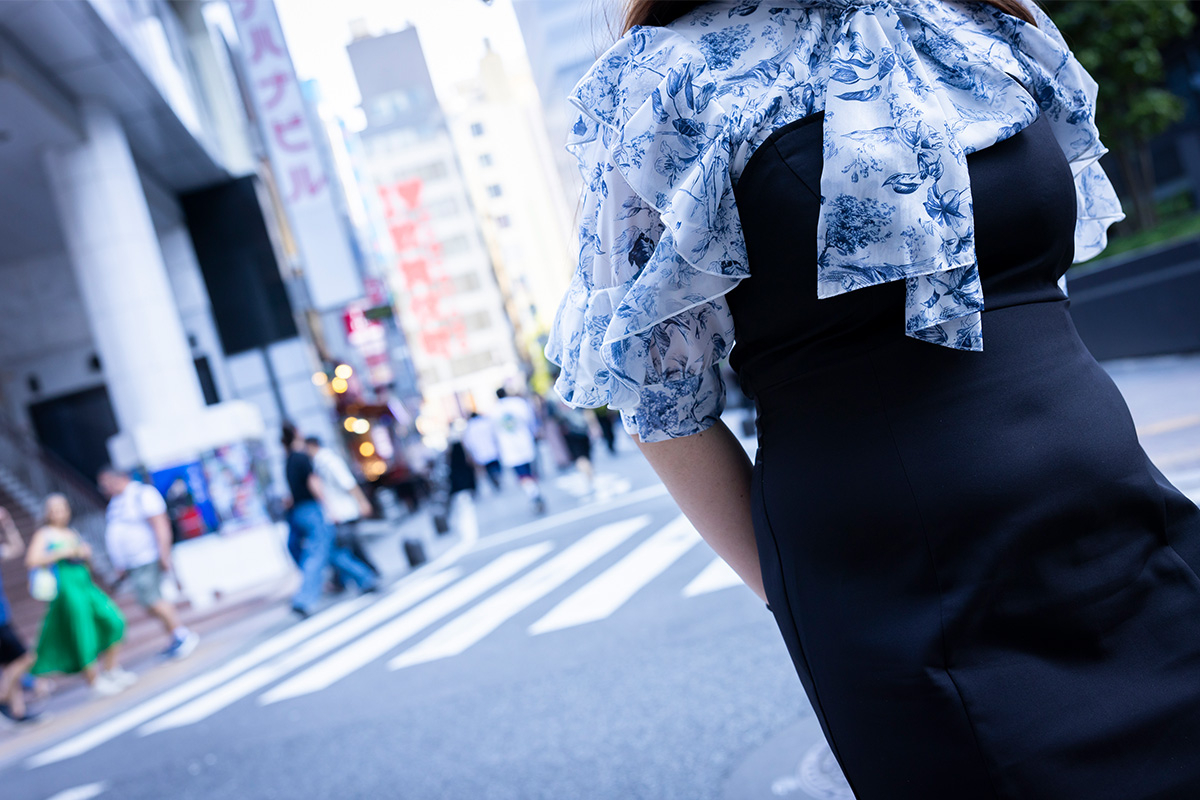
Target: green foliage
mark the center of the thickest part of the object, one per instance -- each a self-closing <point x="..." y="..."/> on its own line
<point x="1120" y="43"/>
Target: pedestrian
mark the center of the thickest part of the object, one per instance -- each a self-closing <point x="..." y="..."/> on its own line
<point x="344" y="502"/>
<point x="138" y="538"/>
<point x="15" y="658"/>
<point x="986" y="587"/>
<point x="604" y="419"/>
<point x="576" y="433"/>
<point x="515" y="424"/>
<point x="480" y="441"/>
<point x="461" y="468"/>
<point x="83" y="626"/>
<point x="314" y="535"/>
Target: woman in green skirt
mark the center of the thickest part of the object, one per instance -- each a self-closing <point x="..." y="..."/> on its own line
<point x="83" y="626"/>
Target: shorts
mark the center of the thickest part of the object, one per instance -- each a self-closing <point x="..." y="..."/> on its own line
<point x="11" y="647"/>
<point x="146" y="581"/>
<point x="524" y="470"/>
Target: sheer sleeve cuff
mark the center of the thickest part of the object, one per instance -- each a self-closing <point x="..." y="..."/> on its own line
<point x="677" y="408"/>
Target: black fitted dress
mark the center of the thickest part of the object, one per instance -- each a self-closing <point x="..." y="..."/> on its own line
<point x="987" y="588"/>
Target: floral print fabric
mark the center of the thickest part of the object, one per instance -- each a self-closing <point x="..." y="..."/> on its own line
<point x="670" y="116"/>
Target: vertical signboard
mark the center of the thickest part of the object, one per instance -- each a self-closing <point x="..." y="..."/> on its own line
<point x="439" y="331"/>
<point x="304" y="184"/>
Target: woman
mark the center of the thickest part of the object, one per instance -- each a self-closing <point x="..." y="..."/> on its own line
<point x="83" y="626"/>
<point x="987" y="589"/>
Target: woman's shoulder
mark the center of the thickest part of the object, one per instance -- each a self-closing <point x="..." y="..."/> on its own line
<point x="734" y="52"/>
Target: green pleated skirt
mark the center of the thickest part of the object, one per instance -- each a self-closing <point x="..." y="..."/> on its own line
<point x="81" y="623"/>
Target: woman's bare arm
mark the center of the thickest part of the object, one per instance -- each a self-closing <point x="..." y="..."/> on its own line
<point x="708" y="474"/>
<point x="37" y="555"/>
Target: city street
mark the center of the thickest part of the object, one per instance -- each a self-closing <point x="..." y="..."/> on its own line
<point x="598" y="652"/>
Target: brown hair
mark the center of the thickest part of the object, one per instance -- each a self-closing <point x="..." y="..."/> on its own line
<point x="661" y="12"/>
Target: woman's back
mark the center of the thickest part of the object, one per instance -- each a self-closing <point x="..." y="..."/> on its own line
<point x="983" y="582"/>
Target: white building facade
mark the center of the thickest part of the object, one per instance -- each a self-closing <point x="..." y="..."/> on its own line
<point x="446" y="295"/>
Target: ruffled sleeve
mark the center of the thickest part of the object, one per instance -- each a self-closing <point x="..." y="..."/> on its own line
<point x="644" y="324"/>
<point x="1066" y="93"/>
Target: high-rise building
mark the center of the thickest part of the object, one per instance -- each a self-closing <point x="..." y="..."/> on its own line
<point x="510" y="168"/>
<point x="563" y="39"/>
<point x="447" y="298"/>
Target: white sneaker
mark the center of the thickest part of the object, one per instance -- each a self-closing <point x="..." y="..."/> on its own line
<point x="184" y="647"/>
<point x="123" y="677"/>
<point x="106" y="686"/>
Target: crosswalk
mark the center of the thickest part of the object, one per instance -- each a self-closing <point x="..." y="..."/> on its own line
<point x="425" y="618"/>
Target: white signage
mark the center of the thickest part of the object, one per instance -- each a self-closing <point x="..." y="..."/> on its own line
<point x="329" y="267"/>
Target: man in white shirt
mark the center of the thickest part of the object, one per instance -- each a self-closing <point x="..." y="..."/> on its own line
<point x="342" y="501"/>
<point x="138" y="538"/>
<point x="515" y="424"/>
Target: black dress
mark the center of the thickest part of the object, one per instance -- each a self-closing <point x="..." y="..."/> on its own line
<point x="987" y="588"/>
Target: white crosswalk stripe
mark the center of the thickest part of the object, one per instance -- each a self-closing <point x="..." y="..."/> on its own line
<point x="612" y="589"/>
<point x="472" y="626"/>
<point x="250" y="682"/>
<point x="717" y="575"/>
<point x="318" y="652"/>
<point x="127" y="721"/>
<point x="390" y="636"/>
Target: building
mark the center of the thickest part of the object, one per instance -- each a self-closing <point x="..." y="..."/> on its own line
<point x="157" y="272"/>
<point x="563" y="40"/>
<point x="447" y="299"/>
<point x="511" y="172"/>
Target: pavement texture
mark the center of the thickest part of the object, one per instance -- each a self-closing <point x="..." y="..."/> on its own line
<point x="595" y="652"/>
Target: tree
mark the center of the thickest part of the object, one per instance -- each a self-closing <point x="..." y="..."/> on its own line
<point x="1120" y="43"/>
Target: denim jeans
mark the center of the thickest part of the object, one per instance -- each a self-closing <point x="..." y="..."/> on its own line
<point x="317" y="550"/>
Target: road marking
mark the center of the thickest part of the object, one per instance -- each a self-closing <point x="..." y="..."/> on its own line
<point x="574" y="515"/>
<point x="599" y="598"/>
<point x="244" y="685"/>
<point x="467" y="629"/>
<point x="379" y="642"/>
<point x="717" y="575"/>
<point x="127" y="721"/>
<point x="82" y="792"/>
<point x="1169" y="425"/>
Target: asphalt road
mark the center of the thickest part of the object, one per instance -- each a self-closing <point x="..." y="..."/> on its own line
<point x="598" y="652"/>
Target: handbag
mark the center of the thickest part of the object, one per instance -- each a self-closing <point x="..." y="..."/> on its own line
<point x="43" y="584"/>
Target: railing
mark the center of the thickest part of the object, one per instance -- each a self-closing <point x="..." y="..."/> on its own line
<point x="41" y="473"/>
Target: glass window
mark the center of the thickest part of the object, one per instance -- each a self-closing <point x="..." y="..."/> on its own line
<point x="494" y="190"/>
<point x="477" y="129"/>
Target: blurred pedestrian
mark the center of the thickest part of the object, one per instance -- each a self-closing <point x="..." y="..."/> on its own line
<point x="314" y="536"/>
<point x="83" y="626"/>
<point x="344" y="502"/>
<point x="138" y="538"/>
<point x="479" y="439"/>
<point x="15" y="659"/>
<point x="604" y="419"/>
<point x="515" y="425"/>
<point x="462" y="468"/>
<point x="576" y="431"/>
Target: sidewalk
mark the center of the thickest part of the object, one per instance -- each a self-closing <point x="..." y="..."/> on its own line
<point x="225" y="629"/>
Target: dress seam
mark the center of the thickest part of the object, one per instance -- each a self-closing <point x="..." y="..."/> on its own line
<point x="933" y="569"/>
<point x="791" y="614"/>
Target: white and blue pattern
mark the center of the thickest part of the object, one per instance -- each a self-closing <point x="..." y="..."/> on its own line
<point x="670" y="116"/>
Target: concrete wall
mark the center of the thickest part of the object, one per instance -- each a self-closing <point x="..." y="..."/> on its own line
<point x="1140" y="305"/>
<point x="44" y="334"/>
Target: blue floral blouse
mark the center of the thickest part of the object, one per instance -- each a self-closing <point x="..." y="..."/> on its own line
<point x="670" y="116"/>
